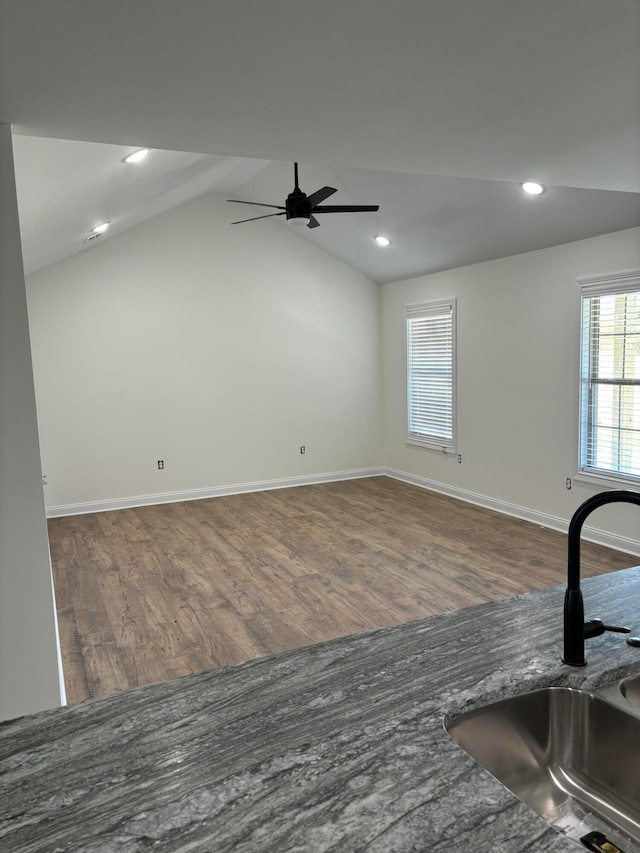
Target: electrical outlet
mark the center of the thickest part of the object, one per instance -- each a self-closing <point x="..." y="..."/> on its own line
<point x="45" y="482"/>
<point x="303" y="449"/>
<point x="568" y="483"/>
<point x="160" y="464"/>
<point x="460" y="458"/>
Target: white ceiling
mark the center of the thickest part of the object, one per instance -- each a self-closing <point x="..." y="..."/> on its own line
<point x="435" y="109"/>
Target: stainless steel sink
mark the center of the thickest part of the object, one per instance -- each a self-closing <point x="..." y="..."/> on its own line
<point x="570" y="755"/>
<point x="630" y="689"/>
<point x="624" y="693"/>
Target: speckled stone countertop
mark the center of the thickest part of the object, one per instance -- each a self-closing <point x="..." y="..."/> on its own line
<point x="337" y="747"/>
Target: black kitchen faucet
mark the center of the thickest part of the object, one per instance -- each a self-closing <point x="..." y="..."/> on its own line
<point x="576" y="630"/>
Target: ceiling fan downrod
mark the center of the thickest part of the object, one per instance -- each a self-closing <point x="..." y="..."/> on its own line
<point x="298" y="208"/>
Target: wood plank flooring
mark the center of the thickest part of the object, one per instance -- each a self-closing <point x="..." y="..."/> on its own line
<point x="152" y="593"/>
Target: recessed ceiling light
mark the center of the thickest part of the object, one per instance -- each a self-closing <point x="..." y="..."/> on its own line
<point x="532" y="187"/>
<point x="381" y="240"/>
<point x="100" y="229"/>
<point x="136" y="156"/>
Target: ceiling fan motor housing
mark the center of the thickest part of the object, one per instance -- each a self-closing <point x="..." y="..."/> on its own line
<point x="298" y="207"/>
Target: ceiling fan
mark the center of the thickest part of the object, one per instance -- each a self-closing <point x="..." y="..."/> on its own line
<point x="301" y="209"/>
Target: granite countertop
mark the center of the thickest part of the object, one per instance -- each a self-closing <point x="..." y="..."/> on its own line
<point x="336" y="747"/>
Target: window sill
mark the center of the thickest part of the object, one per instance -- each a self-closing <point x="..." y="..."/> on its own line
<point x="608" y="481"/>
<point x="431" y="445"/>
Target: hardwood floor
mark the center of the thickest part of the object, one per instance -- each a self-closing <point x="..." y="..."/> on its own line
<point x="157" y="592"/>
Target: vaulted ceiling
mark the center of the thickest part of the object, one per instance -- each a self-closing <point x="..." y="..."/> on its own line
<point x="436" y="110"/>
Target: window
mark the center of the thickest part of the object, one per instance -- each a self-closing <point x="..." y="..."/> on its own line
<point x="610" y="378"/>
<point x="431" y="334"/>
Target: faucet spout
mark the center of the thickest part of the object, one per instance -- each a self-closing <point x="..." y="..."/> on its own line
<point x="574" y="627"/>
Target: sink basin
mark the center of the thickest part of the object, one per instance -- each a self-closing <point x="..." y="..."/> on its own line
<point x="624" y="693"/>
<point x="630" y="689"/>
<point x="571" y="756"/>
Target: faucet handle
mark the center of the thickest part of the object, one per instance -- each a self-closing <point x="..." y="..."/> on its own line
<point x="595" y="627"/>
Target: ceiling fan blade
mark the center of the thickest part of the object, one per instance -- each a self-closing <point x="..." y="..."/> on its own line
<point x="313" y="222"/>
<point x="266" y="216"/>
<point x="239" y="201"/>
<point x="346" y="208"/>
<point x="319" y="196"/>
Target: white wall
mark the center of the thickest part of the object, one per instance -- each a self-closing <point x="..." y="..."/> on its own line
<point x="29" y="674"/>
<point x="517" y="379"/>
<point x="220" y="349"/>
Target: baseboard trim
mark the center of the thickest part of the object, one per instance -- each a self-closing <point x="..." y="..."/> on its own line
<point x="210" y="492"/>
<point x="591" y="534"/>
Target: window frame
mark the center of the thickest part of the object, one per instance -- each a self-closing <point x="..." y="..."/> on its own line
<point x="615" y="283"/>
<point x="424" y="309"/>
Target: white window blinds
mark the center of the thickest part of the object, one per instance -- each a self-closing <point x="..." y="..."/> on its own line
<point x="610" y="378"/>
<point x="431" y="374"/>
